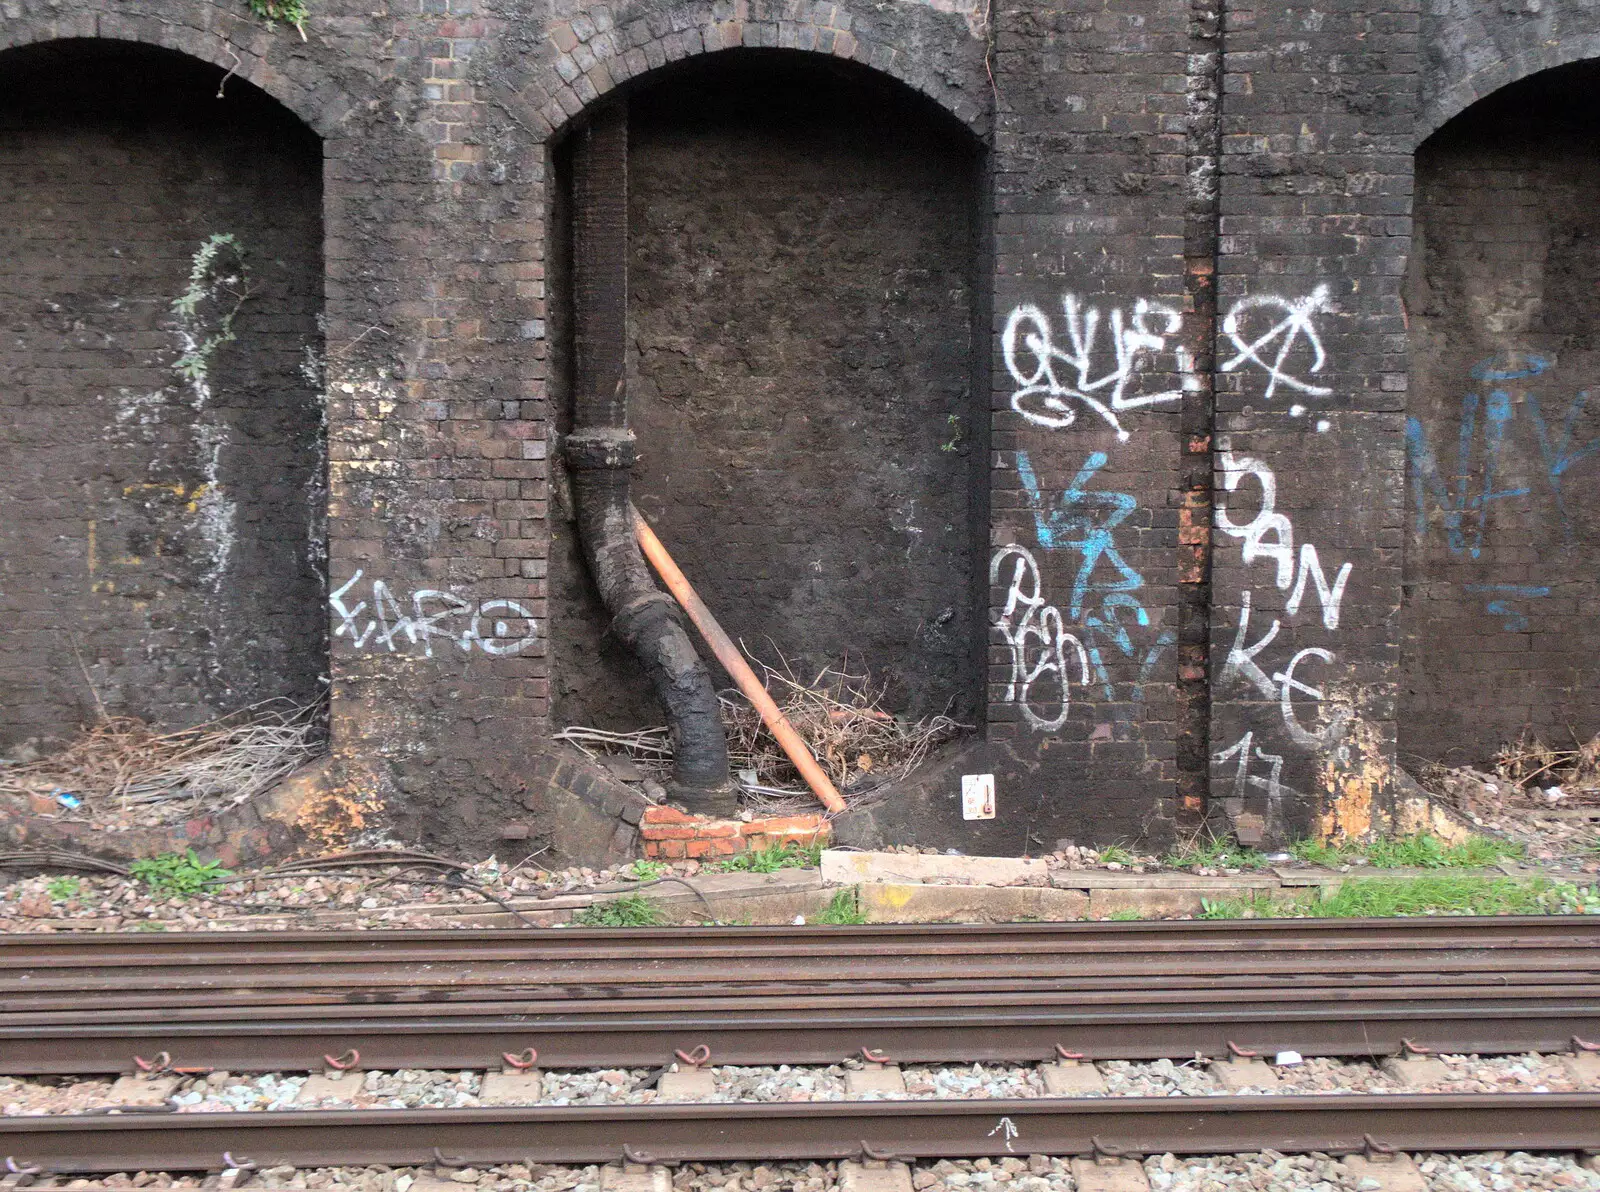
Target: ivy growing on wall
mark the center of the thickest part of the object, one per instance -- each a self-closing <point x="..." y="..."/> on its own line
<point x="290" y="12"/>
<point x="219" y="284"/>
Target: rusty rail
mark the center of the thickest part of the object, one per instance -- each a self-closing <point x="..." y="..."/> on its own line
<point x="721" y="1132"/>
<point x="275" y="1001"/>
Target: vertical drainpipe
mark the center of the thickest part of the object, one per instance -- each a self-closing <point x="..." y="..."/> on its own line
<point x="1203" y="142"/>
<point x="600" y="454"/>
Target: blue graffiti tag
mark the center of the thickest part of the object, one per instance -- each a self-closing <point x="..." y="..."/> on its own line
<point x="1084" y="521"/>
<point x="1466" y="515"/>
<point x="1515" y="620"/>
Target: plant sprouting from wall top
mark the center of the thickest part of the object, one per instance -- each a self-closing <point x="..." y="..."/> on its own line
<point x="291" y="12"/>
<point x="219" y="284"/>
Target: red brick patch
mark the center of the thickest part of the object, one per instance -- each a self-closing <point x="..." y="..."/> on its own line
<point x="670" y="834"/>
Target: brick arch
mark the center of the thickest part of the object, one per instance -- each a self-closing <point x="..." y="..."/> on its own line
<point x="1463" y="93"/>
<point x="193" y="29"/>
<point x="590" y="54"/>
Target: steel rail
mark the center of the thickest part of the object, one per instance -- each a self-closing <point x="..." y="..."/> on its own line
<point x="1176" y="1033"/>
<point x="1335" y="1124"/>
<point x="419" y="947"/>
<point x="271" y="1001"/>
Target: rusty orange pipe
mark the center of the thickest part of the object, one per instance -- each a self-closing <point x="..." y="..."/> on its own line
<point x="733" y="662"/>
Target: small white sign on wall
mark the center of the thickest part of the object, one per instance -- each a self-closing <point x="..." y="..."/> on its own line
<point x="977" y="796"/>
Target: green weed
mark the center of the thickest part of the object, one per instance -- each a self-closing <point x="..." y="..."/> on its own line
<point x="178" y="873"/>
<point x="1259" y="906"/>
<point x="61" y="889"/>
<point x="291" y="12"/>
<point x="1422" y="851"/>
<point x="644" y="870"/>
<point x="1215" y="852"/>
<point x="1126" y="915"/>
<point x="632" y="910"/>
<point x="843" y="911"/>
<point x="771" y="859"/>
<point x="1115" y="854"/>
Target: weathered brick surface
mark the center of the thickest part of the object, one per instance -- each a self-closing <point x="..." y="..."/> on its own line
<point x="1501" y="508"/>
<point x="160" y="555"/>
<point x="670" y="834"/>
<point x="1099" y="341"/>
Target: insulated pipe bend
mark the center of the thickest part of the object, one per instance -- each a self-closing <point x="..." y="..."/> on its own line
<point x="600" y="454"/>
<point x="647" y="619"/>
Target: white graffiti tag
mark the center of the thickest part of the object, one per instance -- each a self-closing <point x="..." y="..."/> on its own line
<point x="1052" y="380"/>
<point x="1038" y="640"/>
<point x="497" y="627"/>
<point x="1270" y="535"/>
<point x="1242" y="664"/>
<point x="1272" y="784"/>
<point x="1291" y="321"/>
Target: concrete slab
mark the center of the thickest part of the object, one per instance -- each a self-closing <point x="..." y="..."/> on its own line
<point x="875" y="1078"/>
<point x="1395" y="1173"/>
<point x="1584" y="1067"/>
<point x="1416" y="1070"/>
<point x="1119" y="1175"/>
<point x="321" y="1086"/>
<point x="634" y="1177"/>
<point x="1236" y="1074"/>
<point x="874" y="1176"/>
<point x="885" y="902"/>
<point x="1072" y="1079"/>
<point x="843" y="868"/>
<point x="512" y="1088"/>
<point x="687" y="1084"/>
<point x="143" y="1091"/>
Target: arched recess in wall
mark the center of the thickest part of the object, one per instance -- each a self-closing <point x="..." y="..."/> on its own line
<point x="162" y="450"/>
<point x="806" y="320"/>
<point x="1502" y="550"/>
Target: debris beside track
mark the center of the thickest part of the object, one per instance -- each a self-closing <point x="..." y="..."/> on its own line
<point x="222" y="1092"/>
<point x="1488" y="1171"/>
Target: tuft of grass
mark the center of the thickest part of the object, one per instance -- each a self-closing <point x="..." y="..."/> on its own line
<point x="1115" y="854"/>
<point x="1259" y="906"/>
<point x="632" y="910"/>
<point x="1431" y="894"/>
<point x="1422" y="851"/>
<point x="1126" y="915"/>
<point x="1215" y="852"/>
<point x="645" y="870"/>
<point x="61" y="889"/>
<point x="843" y="911"/>
<point x="1315" y="852"/>
<point x="771" y="859"/>
<point x="1435" y="894"/>
<point x="178" y="873"/>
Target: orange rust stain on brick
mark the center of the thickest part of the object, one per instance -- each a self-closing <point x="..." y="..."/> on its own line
<point x="671" y="834"/>
<point x="1353" y="778"/>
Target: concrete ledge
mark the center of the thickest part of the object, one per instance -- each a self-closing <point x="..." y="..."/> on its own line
<point x="847" y="868"/>
<point x="907" y="902"/>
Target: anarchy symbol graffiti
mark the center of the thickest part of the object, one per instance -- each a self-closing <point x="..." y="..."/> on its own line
<point x="1292" y="324"/>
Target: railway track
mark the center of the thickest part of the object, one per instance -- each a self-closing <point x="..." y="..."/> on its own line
<point x="280" y="1002"/>
<point x="271" y="1001"/>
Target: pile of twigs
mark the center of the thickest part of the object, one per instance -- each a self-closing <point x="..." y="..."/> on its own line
<point x="122" y="763"/>
<point x="1530" y="762"/>
<point x="839" y="715"/>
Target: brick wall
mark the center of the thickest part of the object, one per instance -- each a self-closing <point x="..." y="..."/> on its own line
<point x="801" y="305"/>
<point x="1118" y="378"/>
<point x="1503" y="490"/>
<point x="162" y="550"/>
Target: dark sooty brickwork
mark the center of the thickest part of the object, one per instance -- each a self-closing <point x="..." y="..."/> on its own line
<point x="1177" y="567"/>
<point x="802" y="248"/>
<point x="1502" y="617"/>
<point x="161" y="549"/>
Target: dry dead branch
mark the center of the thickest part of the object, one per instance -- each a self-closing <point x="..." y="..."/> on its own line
<point x="839" y="715"/>
<point x="122" y="763"/>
